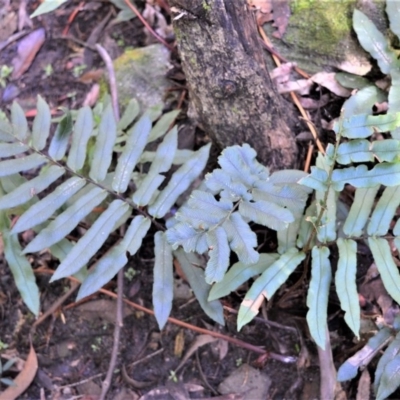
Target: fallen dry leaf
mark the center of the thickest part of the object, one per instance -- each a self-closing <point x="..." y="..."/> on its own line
<point x="281" y="17"/>
<point x="312" y="104"/>
<point x="24" y="378"/>
<point x="327" y="80"/>
<point x="200" y="340"/>
<point x="262" y="5"/>
<point x="27" y="50"/>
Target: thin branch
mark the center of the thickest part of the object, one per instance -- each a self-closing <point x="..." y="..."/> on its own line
<point x="113" y="82"/>
<point x="120" y="276"/>
<point x="234" y="341"/>
<point x="117" y="334"/>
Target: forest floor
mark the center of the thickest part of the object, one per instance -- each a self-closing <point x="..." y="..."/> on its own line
<point x="74" y="344"/>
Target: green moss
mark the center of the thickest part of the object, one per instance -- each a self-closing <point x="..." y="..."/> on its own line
<point x="206" y="6"/>
<point x="319" y="25"/>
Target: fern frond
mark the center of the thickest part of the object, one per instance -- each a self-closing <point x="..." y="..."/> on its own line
<point x="360" y="210"/>
<point x="317" y="297"/>
<point x="83" y="129"/>
<point x="163" y="286"/>
<point x="239" y="273"/>
<point x="267" y="284"/>
<point x="384" y="211"/>
<point x="382" y="254"/>
<point x="105" y="140"/>
<point x="345" y="281"/>
<point x="373" y="41"/>
<point x="94" y="137"/>
<point x="189" y="263"/>
<point x="219" y="252"/>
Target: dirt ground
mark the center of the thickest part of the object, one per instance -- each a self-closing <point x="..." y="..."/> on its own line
<point x="74" y="345"/>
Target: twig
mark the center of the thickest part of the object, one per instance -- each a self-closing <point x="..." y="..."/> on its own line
<point x="113" y="82"/>
<point x="12" y="38"/>
<point x="147" y="357"/>
<point x="117" y="335"/>
<point x="120" y="276"/>
<point x="308" y="158"/>
<point x="82" y="381"/>
<point x="203" y="377"/>
<point x="234" y="341"/>
<point x="57" y="304"/>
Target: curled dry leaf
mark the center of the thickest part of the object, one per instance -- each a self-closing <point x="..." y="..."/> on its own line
<point x="27" y="50"/>
<point x="24" y="379"/>
<point x="281" y="17"/>
<point x="301" y="86"/>
<point x="312" y="104"/>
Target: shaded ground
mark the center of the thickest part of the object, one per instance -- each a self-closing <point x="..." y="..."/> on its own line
<point x="74" y="345"/>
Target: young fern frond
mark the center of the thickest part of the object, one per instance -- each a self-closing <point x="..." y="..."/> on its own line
<point x="81" y="152"/>
<point x="248" y="192"/>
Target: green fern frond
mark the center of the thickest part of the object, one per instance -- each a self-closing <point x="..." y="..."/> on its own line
<point x="81" y="150"/>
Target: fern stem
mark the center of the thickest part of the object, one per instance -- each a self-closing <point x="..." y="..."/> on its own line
<point x="317" y="224"/>
<point x="89" y="180"/>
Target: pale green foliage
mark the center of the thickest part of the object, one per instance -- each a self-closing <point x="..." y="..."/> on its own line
<point x="218" y="217"/>
<point x="80" y="152"/>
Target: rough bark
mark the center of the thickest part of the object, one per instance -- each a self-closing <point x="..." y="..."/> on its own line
<point x="230" y="89"/>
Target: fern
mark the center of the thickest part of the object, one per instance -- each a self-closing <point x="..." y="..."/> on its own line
<point x="81" y="154"/>
<point x="244" y="191"/>
<point x="217" y="218"/>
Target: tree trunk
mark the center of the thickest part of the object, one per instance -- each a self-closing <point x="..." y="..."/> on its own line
<point x="232" y="96"/>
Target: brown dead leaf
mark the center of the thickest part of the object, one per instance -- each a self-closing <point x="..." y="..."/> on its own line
<point x="8" y="24"/>
<point x="327" y="80"/>
<point x="261" y="5"/>
<point x="24" y="378"/>
<point x="101" y="308"/>
<point x="281" y="17"/>
<point x="200" y="340"/>
<point x="27" y="50"/>
<point x="312" y="104"/>
<point x="94" y="75"/>
<point x="179" y="343"/>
